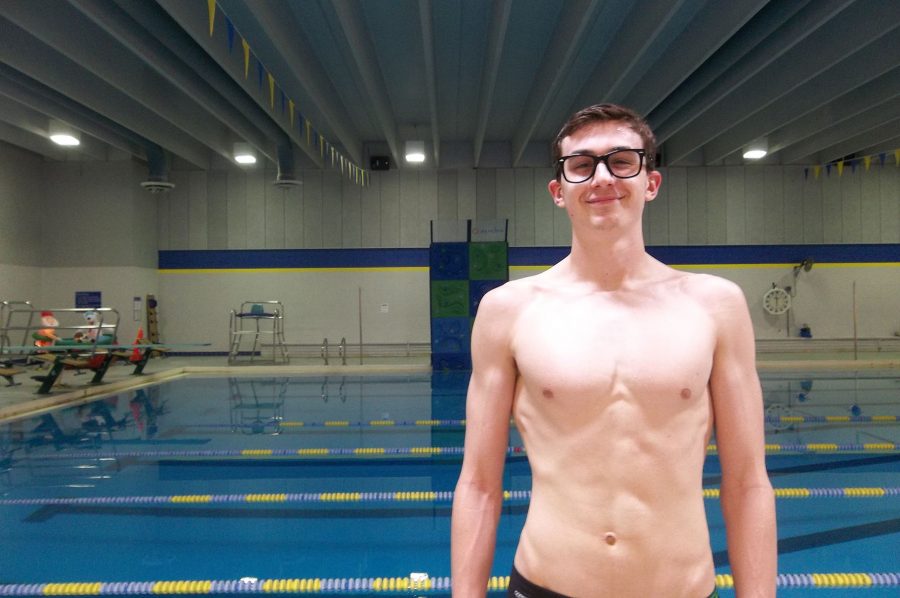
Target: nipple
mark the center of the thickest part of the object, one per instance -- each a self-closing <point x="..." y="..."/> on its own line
<point x="685" y="393"/>
<point x="610" y="538"/>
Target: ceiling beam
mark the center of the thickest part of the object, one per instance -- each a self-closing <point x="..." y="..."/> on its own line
<point x="28" y="92"/>
<point x="349" y="14"/>
<point x="858" y="99"/>
<point x="626" y="52"/>
<point x="25" y="54"/>
<point x="193" y="19"/>
<point x="170" y="61"/>
<point x="875" y="121"/>
<point x="852" y="29"/>
<point x="426" y="24"/>
<point x="777" y="29"/>
<point x="122" y="70"/>
<point x="705" y="34"/>
<point x="861" y="80"/>
<point x="882" y="136"/>
<point x="496" y="38"/>
<point x="568" y="36"/>
<point x="34" y="126"/>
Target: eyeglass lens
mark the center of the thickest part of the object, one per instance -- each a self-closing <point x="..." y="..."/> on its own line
<point x="622" y="164"/>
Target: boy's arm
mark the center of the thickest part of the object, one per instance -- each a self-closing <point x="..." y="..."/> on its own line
<point x="747" y="498"/>
<point x="479" y="491"/>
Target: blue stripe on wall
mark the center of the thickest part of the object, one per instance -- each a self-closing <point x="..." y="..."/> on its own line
<point x="522" y="256"/>
<point x="293" y="258"/>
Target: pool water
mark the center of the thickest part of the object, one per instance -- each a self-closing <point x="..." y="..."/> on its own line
<point x="350" y="478"/>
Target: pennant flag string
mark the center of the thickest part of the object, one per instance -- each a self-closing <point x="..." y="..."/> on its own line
<point x="838" y="165"/>
<point x="211" y="6"/>
<point x="305" y="127"/>
<point x="246" y="47"/>
<point x="229" y="30"/>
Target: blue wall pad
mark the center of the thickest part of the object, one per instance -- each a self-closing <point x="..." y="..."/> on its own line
<point x="449" y="261"/>
<point x="451" y="335"/>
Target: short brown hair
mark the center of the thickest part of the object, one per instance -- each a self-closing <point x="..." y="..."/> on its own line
<point x="608" y="113"/>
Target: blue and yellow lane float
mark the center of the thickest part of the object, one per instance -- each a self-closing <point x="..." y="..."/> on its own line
<point x="402" y="496"/>
<point x="420" y="584"/>
<point x="461" y="423"/>
<point x="818" y="448"/>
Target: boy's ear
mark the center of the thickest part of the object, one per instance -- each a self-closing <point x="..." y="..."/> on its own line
<point x="555" y="188"/>
<point x="654" y="180"/>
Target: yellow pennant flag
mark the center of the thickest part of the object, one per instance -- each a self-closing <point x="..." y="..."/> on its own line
<point x="246" y="47"/>
<point x="332" y="156"/>
<point x="271" y="91"/>
<point x="291" y="111"/>
<point x="867" y="160"/>
<point x="211" y="4"/>
<point x="321" y="146"/>
<point x="816" y="170"/>
<point x="840" y="167"/>
<point x="897" y="157"/>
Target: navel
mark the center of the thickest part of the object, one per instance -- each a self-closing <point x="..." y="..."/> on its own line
<point x="610" y="538"/>
<point x="685" y="393"/>
<point x="548" y="394"/>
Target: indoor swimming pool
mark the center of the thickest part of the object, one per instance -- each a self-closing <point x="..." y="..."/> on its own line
<point x="343" y="484"/>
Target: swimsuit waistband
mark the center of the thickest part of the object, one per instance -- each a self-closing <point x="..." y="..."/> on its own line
<point x="519" y="587"/>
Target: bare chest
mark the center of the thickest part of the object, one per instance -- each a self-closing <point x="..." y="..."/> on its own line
<point x="599" y="352"/>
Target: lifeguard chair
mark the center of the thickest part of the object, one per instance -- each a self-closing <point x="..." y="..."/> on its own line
<point x="255" y="320"/>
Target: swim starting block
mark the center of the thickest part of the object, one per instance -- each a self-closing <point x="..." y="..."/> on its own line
<point x="61" y="358"/>
<point x="7" y="372"/>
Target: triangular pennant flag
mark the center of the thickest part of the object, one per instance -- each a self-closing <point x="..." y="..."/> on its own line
<point x="291" y="112"/>
<point x="828" y="169"/>
<point x="867" y="161"/>
<point x="817" y="170"/>
<point x="806" y="174"/>
<point x="881" y="158"/>
<point x="332" y="156"/>
<point x="271" y="90"/>
<point x="260" y="71"/>
<point x="308" y="128"/>
<point x="282" y="100"/>
<point x="211" y="5"/>
<point x="229" y="29"/>
<point x="897" y="157"/>
<point x="321" y="146"/>
<point x="853" y="165"/>
<point x="840" y="167"/>
<point x="246" y="47"/>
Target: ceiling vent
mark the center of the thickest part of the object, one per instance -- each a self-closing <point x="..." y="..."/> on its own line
<point x="157" y="186"/>
<point x="286" y="182"/>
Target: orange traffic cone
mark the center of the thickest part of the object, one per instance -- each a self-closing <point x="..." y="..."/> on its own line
<point x="135" y="353"/>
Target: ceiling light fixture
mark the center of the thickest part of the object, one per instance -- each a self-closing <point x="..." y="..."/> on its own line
<point x="756" y="150"/>
<point x="64" y="135"/>
<point x="244" y="153"/>
<point x="415" y="151"/>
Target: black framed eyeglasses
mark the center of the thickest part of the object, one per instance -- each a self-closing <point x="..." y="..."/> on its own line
<point x="621" y="163"/>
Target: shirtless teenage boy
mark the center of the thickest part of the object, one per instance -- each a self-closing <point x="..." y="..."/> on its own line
<point x="615" y="368"/>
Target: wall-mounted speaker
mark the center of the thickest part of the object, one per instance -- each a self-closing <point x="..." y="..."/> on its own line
<point x="380" y="163"/>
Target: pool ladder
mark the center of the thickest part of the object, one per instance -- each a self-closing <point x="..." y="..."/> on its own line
<point x="342" y="350"/>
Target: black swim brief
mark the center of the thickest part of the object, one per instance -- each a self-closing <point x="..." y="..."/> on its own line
<point x="519" y="587"/>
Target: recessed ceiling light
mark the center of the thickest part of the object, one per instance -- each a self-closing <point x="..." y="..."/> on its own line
<point x="415" y="151"/>
<point x="64" y="139"/>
